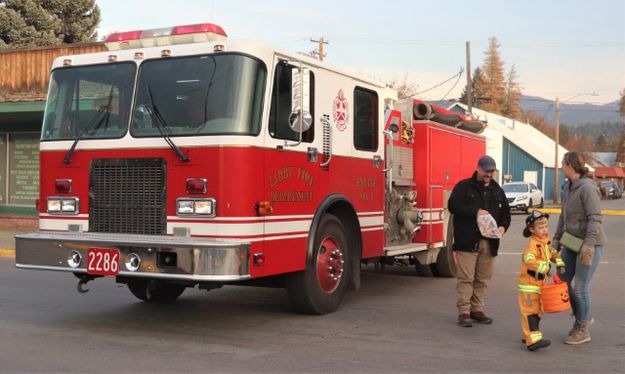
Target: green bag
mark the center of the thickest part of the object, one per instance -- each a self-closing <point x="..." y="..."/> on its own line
<point x="571" y="242"/>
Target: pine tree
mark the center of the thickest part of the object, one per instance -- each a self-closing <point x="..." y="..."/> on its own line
<point x="478" y="89"/>
<point x="36" y="23"/>
<point x="621" y="106"/>
<point x="620" y="149"/>
<point x="601" y="143"/>
<point x="512" y="96"/>
<point x="494" y="76"/>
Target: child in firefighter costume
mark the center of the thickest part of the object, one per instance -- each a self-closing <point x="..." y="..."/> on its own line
<point x="536" y="267"/>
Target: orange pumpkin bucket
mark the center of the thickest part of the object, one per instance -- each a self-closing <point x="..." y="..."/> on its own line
<point x="555" y="296"/>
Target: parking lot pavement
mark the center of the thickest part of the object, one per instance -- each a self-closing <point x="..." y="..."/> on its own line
<point x="397" y="322"/>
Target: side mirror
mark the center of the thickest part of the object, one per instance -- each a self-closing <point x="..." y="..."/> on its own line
<point x="300" y="104"/>
<point x="300" y="123"/>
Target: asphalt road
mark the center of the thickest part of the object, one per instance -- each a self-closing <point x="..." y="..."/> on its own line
<point x="397" y="322"/>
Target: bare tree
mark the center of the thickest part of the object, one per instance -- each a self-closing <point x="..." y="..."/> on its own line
<point x="404" y="88"/>
<point x="512" y="95"/>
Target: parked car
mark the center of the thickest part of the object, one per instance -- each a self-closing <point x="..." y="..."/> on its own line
<point x="614" y="191"/>
<point x="523" y="196"/>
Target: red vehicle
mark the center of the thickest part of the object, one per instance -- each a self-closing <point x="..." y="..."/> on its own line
<point x="180" y="158"/>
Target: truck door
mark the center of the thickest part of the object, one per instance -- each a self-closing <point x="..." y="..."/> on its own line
<point x="291" y="165"/>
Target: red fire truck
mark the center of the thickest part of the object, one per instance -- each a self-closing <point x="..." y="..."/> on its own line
<point x="179" y="158"/>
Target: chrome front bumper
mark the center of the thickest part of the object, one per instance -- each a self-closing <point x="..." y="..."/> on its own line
<point x="198" y="259"/>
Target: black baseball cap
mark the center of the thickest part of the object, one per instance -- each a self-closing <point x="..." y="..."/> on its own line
<point x="529" y="220"/>
<point x="487" y="163"/>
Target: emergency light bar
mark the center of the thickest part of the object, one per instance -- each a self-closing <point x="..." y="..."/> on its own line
<point x="201" y="32"/>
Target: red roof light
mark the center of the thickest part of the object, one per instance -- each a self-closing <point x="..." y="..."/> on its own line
<point x="197" y="28"/>
<point x="123" y="36"/>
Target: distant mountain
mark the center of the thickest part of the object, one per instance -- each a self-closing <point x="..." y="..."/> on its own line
<point x="572" y="114"/>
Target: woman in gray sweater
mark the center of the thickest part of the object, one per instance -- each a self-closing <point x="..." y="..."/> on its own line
<point x="580" y="217"/>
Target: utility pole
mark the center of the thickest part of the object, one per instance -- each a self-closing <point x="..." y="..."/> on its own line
<point x="321" y="42"/>
<point x="469" y="88"/>
<point x="555" y="166"/>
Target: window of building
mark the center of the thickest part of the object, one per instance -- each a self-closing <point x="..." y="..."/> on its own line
<point x="365" y="119"/>
<point x="282" y="103"/>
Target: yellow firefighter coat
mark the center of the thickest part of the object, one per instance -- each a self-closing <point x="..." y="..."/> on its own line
<point x="535" y="264"/>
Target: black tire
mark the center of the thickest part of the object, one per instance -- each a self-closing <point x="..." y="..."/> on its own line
<point x="542" y="203"/>
<point x="156" y="292"/>
<point x="428" y="270"/>
<point x="314" y="290"/>
<point x="529" y="206"/>
<point x="445" y="262"/>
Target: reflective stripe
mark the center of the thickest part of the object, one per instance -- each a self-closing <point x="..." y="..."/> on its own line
<point x="529" y="256"/>
<point x="559" y="262"/>
<point x="543" y="267"/>
<point x="529" y="288"/>
<point x="536" y="337"/>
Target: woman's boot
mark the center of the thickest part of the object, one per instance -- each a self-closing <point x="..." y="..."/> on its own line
<point x="574" y="328"/>
<point x="580" y="336"/>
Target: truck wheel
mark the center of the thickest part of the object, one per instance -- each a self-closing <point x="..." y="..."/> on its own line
<point x="446" y="262"/>
<point x="425" y="270"/>
<point x="321" y="286"/>
<point x="151" y="291"/>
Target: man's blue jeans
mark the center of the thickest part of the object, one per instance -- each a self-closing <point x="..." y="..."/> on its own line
<point x="578" y="278"/>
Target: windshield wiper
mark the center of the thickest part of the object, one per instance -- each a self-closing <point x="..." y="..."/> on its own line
<point x="93" y="124"/>
<point x="161" y="124"/>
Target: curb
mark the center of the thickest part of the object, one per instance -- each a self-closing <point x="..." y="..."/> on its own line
<point x="604" y="212"/>
<point x="7" y="252"/>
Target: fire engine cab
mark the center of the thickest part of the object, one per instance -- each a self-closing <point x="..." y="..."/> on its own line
<point x="180" y="158"/>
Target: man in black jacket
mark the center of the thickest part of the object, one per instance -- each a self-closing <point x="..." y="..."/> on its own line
<point x="478" y="195"/>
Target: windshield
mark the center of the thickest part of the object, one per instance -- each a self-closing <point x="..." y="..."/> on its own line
<point x="515" y="187"/>
<point x="200" y="95"/>
<point x="90" y="101"/>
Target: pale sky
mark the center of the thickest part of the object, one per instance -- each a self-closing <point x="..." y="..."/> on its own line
<point x="559" y="48"/>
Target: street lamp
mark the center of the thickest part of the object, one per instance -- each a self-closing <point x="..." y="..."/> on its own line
<point x="555" y="165"/>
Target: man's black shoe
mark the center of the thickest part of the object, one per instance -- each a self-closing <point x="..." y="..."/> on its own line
<point x="465" y="321"/>
<point x="480" y="317"/>
<point x="543" y="343"/>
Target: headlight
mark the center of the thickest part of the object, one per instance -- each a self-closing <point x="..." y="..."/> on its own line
<point x="522" y="197"/>
<point x="68" y="205"/>
<point x="63" y="205"/>
<point x="203" y="207"/>
<point x="54" y="205"/>
<point x="185" y="207"/>
<point x="196" y="207"/>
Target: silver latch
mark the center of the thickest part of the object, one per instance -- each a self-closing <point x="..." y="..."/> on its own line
<point x="377" y="161"/>
<point x="312" y="154"/>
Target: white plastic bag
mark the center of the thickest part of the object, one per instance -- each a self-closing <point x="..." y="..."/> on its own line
<point x="488" y="226"/>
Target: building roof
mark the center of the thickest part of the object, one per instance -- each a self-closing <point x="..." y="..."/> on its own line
<point x="523" y="135"/>
<point x="605" y="158"/>
<point x="609" y="172"/>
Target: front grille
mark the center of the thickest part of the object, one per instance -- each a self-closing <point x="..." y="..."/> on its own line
<point x="128" y="196"/>
<point x="511" y="199"/>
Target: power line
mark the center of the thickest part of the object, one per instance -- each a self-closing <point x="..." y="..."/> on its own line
<point x="452" y="87"/>
<point x="508" y="43"/>
<point x="443" y="82"/>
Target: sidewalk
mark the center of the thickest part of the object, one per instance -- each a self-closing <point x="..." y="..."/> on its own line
<point x="7" y="242"/>
<point x="10" y="225"/>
